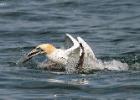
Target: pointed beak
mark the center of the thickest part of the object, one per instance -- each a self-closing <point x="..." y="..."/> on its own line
<point x="31" y="54"/>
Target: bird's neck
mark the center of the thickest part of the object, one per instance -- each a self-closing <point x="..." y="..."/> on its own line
<point x="58" y="56"/>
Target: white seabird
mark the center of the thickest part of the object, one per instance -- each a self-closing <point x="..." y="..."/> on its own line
<point x="77" y="57"/>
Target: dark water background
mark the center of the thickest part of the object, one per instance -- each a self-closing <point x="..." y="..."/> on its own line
<point x="111" y="27"/>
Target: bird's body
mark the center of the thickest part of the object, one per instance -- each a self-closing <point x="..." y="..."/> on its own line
<point x="77" y="57"/>
<point x="58" y="56"/>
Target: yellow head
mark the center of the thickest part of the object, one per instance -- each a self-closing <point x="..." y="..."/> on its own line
<point x="46" y="48"/>
<point x="40" y="49"/>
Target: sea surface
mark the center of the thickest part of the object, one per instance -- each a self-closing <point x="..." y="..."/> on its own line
<point x="111" y="27"/>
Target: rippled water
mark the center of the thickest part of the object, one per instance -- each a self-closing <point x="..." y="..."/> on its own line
<point x="111" y="27"/>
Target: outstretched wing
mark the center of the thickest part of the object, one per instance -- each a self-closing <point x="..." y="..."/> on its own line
<point x="73" y="53"/>
<point x="72" y="44"/>
<point x="90" y="61"/>
<point x="87" y="49"/>
<point x="68" y="43"/>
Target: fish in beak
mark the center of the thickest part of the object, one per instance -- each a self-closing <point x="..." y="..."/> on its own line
<point x="31" y="54"/>
<point x="40" y="49"/>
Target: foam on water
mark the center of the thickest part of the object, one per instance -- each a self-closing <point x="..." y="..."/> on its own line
<point x="101" y="65"/>
<point x="115" y="65"/>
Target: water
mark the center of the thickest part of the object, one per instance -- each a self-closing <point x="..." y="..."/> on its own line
<point x="111" y="27"/>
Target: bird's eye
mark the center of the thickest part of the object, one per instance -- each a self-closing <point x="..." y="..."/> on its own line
<point x="39" y="49"/>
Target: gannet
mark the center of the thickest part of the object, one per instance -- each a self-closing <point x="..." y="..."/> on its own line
<point x="76" y="57"/>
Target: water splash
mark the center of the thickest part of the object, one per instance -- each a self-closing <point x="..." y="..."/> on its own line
<point x="115" y="65"/>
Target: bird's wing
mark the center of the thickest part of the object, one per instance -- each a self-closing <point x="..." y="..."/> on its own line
<point x="90" y="61"/>
<point x="73" y="53"/>
<point x="71" y="44"/>
<point x="68" y="43"/>
<point x="87" y="49"/>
